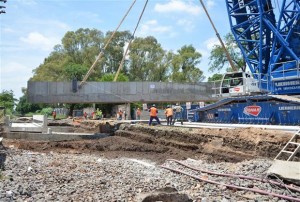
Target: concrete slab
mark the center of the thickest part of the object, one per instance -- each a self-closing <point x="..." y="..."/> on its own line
<point x="26" y="127"/>
<point x="287" y="170"/>
<point x="38" y="125"/>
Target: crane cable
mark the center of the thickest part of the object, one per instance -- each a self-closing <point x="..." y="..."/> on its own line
<point x="107" y="43"/>
<point x="218" y="35"/>
<point x="131" y="39"/>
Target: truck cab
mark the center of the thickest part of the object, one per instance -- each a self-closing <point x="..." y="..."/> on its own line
<point x="237" y="84"/>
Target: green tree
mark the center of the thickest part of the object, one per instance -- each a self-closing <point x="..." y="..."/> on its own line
<point x="185" y="65"/>
<point x="83" y="45"/>
<point x="115" y="51"/>
<point x="110" y="77"/>
<point x="74" y="56"/>
<point x="215" y="77"/>
<point x="52" y="69"/>
<point x="24" y="106"/>
<point x="78" y="52"/>
<point x="218" y="59"/>
<point x="77" y="71"/>
<point x="148" y="61"/>
<point x="7" y="100"/>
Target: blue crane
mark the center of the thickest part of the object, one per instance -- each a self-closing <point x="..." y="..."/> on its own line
<point x="270" y="46"/>
<point x="269" y="40"/>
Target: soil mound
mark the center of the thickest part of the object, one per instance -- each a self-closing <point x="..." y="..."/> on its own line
<point x="158" y="143"/>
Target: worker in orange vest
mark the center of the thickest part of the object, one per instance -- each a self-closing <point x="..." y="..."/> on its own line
<point x="138" y="114"/>
<point x="169" y="115"/>
<point x="153" y="114"/>
<point x="54" y="115"/>
<point x="120" y="114"/>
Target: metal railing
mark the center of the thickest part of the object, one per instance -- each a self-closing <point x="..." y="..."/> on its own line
<point x="286" y="70"/>
<point x="261" y="80"/>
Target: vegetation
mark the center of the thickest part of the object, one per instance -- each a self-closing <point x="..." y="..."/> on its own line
<point x="215" y="77"/>
<point x="146" y="61"/>
<point x="218" y="59"/>
<point x="8" y="101"/>
<point x="23" y="107"/>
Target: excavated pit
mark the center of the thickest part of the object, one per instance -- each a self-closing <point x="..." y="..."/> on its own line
<point x="158" y="143"/>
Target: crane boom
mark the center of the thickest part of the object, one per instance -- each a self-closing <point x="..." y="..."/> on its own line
<point x="220" y="39"/>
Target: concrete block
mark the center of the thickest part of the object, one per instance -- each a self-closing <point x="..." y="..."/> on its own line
<point x="287" y="170"/>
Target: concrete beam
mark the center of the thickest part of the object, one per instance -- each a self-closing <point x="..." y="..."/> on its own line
<point x="118" y="92"/>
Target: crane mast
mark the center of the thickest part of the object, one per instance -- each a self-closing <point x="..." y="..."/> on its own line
<point x="270" y="45"/>
<point x="269" y="40"/>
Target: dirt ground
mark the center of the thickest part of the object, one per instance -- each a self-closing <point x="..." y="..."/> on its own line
<point x="158" y="143"/>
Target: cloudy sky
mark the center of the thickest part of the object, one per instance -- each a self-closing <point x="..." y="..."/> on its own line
<point x="31" y="28"/>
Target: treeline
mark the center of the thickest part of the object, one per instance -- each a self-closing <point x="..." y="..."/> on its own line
<point x="146" y="60"/>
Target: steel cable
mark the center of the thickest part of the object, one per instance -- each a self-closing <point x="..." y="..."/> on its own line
<point x="107" y="43"/>
<point x="234" y="186"/>
<point x="132" y="37"/>
<point x="238" y="176"/>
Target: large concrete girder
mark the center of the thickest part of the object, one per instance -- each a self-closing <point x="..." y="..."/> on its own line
<point x="118" y="92"/>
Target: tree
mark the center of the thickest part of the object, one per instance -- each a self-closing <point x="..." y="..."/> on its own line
<point x="218" y="59"/>
<point x="184" y="66"/>
<point x="147" y="61"/>
<point x="75" y="71"/>
<point x="215" y="77"/>
<point x="7" y="100"/>
<point x="52" y="69"/>
<point x="78" y="50"/>
<point x="24" y="106"/>
<point x="115" y="51"/>
<point x="110" y="77"/>
<point x="83" y="45"/>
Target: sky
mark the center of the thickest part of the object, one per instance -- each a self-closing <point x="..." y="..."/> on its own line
<point x="31" y="28"/>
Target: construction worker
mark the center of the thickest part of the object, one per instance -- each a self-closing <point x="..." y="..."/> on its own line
<point x="178" y="113"/>
<point x="138" y="114"/>
<point x="169" y="115"/>
<point x="100" y="114"/>
<point x="153" y="114"/>
<point x="54" y="114"/>
<point x="120" y="114"/>
<point x="94" y="115"/>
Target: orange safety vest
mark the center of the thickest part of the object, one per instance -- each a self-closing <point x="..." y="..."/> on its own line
<point x="169" y="112"/>
<point x="153" y="111"/>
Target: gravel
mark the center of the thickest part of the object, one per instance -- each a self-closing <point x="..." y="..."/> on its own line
<point x="33" y="176"/>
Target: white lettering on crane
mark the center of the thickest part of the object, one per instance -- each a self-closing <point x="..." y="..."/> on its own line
<point x="224" y="110"/>
<point x="283" y="108"/>
<point x="287" y="83"/>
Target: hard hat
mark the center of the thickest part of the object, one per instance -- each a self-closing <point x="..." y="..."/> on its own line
<point x="168" y="106"/>
<point x="153" y="105"/>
